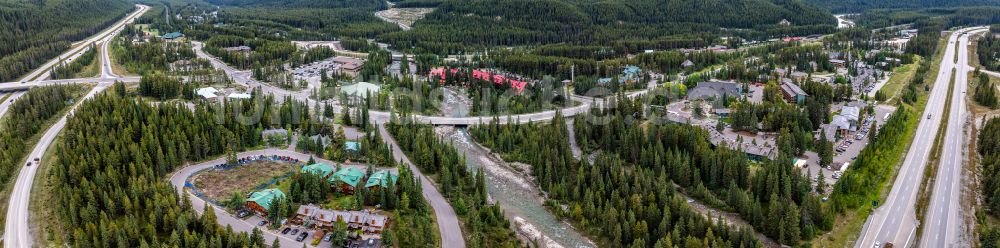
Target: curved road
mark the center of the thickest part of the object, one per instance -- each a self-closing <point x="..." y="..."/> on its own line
<point x="179" y="178"/>
<point x="447" y="221"/>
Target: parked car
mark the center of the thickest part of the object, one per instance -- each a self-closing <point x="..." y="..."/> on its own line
<point x="262" y="223"/>
<point x="302" y="236"/>
<point x="287" y="229"/>
<point x="242" y="213"/>
<point x="295" y="231"/>
<point x="328" y="237"/>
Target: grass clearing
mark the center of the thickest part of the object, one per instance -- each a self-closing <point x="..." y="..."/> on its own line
<point x="901" y="76"/>
<point x="219" y="185"/>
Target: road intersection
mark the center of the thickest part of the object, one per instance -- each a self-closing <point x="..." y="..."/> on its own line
<point x="17" y="231"/>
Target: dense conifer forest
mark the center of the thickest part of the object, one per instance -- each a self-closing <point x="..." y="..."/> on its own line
<point x="35" y="31"/>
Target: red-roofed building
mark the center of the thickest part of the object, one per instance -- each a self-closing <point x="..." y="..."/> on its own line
<point x="486" y="75"/>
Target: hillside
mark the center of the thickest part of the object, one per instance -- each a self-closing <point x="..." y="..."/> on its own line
<point x="856" y="6"/>
<point x="302" y="3"/>
<point x="35" y="31"/>
<point x="461" y="23"/>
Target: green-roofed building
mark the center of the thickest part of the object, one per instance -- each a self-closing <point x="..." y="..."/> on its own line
<point x="347" y="178"/>
<point x="260" y="201"/>
<point x="320" y="169"/>
<point x="172" y="36"/>
<point x="380" y="180"/>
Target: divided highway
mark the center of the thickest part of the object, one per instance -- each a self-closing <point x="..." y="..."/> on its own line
<point x="943" y="221"/>
<point x="17" y="231"/>
<point x="895" y="220"/>
<point x="42" y="72"/>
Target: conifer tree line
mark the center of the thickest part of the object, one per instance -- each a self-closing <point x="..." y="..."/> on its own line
<point x="988" y="151"/>
<point x="986" y="92"/>
<point x="34" y="32"/>
<point x="146" y="57"/>
<point x="627" y="203"/>
<point x="988" y="50"/>
<point x="113" y="157"/>
<point x="26" y="119"/>
<point x="484" y="222"/>
<point x="68" y="70"/>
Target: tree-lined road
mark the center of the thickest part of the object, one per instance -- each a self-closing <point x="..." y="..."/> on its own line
<point x="43" y="72"/>
<point x="17" y="231"/>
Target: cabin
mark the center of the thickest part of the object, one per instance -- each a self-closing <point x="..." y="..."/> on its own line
<point x="321" y="169"/>
<point x="380" y="179"/>
<point x="347" y="179"/>
<point x="260" y="201"/>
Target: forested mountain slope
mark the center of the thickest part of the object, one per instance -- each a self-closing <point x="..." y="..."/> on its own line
<point x="303" y="3"/>
<point x="459" y="23"/>
<point x="855" y="6"/>
<point x="35" y="31"/>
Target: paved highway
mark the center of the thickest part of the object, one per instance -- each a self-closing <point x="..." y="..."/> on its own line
<point x="17" y="231"/>
<point x="943" y="220"/>
<point x="43" y="72"/>
<point x="895" y="220"/>
<point x="5" y="105"/>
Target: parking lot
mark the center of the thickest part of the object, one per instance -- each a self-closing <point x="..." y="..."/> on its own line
<point x="849" y="146"/>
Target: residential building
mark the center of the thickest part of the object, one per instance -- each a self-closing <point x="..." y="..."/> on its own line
<point x="352" y="146"/>
<point x="347" y="179"/>
<point x="235" y="95"/>
<point x="348" y="65"/>
<point x="792" y="93"/>
<point x="715" y="90"/>
<point x="687" y="63"/>
<point x="839" y="63"/>
<point x="313" y="216"/>
<point x="260" y="201"/>
<point x="207" y="92"/>
<point x="321" y="169"/>
<point x="380" y="180"/>
<point x="367" y="222"/>
<point x="172" y="36"/>
<point x="852" y="114"/>
<point x="241" y="49"/>
<point x="799" y="76"/>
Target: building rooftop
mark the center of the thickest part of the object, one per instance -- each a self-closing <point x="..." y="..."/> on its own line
<point x="851" y="113"/>
<point x="715" y="89"/>
<point x="352" y="146"/>
<point x="239" y="96"/>
<point x="265" y="197"/>
<point x="348" y="175"/>
<point x="207" y="92"/>
<point x="381" y="178"/>
<point x="793" y="89"/>
<point x="172" y="35"/>
<point x="321" y="169"/>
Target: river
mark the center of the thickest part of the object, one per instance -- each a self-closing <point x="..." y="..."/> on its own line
<point x="516" y="194"/>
